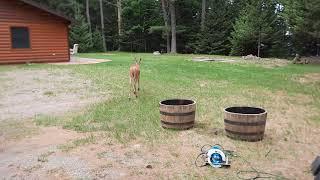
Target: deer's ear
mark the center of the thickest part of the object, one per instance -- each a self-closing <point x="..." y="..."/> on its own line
<point x="140" y="60"/>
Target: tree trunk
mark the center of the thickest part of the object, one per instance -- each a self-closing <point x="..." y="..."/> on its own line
<point x="166" y="23"/>
<point x="88" y="17"/>
<point x="119" y="6"/>
<point x="259" y="41"/>
<point x="102" y="27"/>
<point x="203" y="15"/>
<point x="75" y="8"/>
<point x="318" y="44"/>
<point x="173" y="26"/>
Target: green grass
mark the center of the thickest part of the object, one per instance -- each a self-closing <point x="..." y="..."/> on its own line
<point x="77" y="143"/>
<point x="44" y="120"/>
<point x="213" y="85"/>
<point x="175" y="76"/>
<point x="14" y="130"/>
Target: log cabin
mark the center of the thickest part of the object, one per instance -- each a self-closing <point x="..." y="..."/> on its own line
<point x="32" y="33"/>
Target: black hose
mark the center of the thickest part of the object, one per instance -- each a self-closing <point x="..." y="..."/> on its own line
<point x="258" y="175"/>
<point x="202" y="155"/>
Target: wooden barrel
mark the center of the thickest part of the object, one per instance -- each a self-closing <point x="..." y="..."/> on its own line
<point x="245" y="123"/>
<point x="177" y="113"/>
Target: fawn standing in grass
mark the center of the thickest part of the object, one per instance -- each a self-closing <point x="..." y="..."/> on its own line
<point x="135" y="77"/>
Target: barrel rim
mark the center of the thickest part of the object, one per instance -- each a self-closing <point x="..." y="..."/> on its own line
<point x="265" y="111"/>
<point x="161" y="102"/>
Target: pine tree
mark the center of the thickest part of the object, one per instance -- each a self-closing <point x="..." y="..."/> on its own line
<point x="80" y="34"/>
<point x="304" y="25"/>
<point x="254" y="31"/>
<point x="213" y="38"/>
<point x="313" y="22"/>
<point x="97" y="43"/>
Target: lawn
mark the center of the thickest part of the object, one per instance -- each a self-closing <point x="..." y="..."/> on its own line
<point x="213" y="85"/>
<point x="290" y="94"/>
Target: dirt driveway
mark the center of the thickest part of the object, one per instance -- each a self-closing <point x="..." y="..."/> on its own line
<point x="27" y="93"/>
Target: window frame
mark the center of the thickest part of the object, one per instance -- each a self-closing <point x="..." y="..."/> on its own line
<point x="11" y="36"/>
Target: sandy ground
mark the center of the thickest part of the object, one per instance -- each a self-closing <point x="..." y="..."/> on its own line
<point x="21" y="160"/>
<point x="309" y="78"/>
<point x="265" y="62"/>
<point x="26" y="93"/>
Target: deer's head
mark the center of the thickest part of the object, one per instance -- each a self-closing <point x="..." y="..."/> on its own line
<point x="137" y="61"/>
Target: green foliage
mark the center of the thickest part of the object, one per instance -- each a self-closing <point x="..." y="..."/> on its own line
<point x="313" y="18"/>
<point x="213" y="40"/>
<point x="232" y="27"/>
<point x="257" y="20"/>
<point x="67" y="7"/>
<point x="80" y="34"/>
<point x="304" y="24"/>
<point x="140" y="16"/>
<point x="96" y="39"/>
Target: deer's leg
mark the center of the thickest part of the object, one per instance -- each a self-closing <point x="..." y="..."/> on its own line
<point x="135" y="88"/>
<point x="138" y="84"/>
<point x="130" y="87"/>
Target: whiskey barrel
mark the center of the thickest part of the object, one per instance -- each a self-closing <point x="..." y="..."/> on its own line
<point x="245" y="123"/>
<point x="177" y="113"/>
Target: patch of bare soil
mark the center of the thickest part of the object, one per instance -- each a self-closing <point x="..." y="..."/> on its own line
<point x="220" y="84"/>
<point x="267" y="62"/>
<point x="29" y="158"/>
<point x="211" y="59"/>
<point x="38" y="158"/>
<point x="309" y="78"/>
<point x="312" y="59"/>
<point x="13" y="130"/>
<point x="291" y="136"/>
<point x="26" y="93"/>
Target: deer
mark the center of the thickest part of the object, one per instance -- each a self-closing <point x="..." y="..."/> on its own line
<point x="134" y="75"/>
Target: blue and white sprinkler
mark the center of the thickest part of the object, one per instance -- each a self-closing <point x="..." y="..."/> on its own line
<point x="216" y="157"/>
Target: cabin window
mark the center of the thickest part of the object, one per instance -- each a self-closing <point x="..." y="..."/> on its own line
<point x="20" y="37"/>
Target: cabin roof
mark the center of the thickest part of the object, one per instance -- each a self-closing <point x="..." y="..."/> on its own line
<point x="45" y="8"/>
